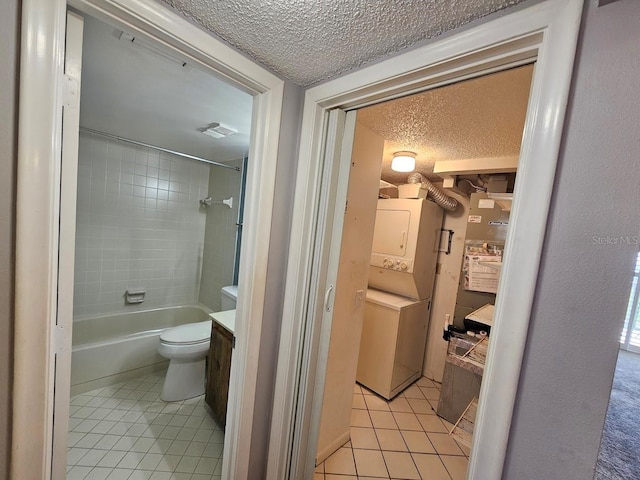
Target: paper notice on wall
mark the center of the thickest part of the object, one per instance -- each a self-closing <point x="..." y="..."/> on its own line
<point x="481" y="274"/>
<point x="483" y="278"/>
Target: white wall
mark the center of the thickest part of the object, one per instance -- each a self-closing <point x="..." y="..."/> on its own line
<point x="138" y="226"/>
<point x="445" y="289"/>
<point x="276" y="274"/>
<point x="220" y="234"/>
<point x="583" y="287"/>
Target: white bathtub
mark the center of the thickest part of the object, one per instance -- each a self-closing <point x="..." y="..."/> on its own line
<point x="112" y="348"/>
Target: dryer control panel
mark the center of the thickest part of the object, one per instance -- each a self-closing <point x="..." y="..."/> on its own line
<point x="400" y="264"/>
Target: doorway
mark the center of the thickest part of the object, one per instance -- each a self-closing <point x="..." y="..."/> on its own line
<point x="322" y="192"/>
<point x="38" y="332"/>
<point x="617" y="457"/>
<point x="394" y="422"/>
<point x="630" y="337"/>
<point x="161" y="148"/>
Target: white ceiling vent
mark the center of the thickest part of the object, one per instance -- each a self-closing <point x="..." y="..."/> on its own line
<point x="216" y="130"/>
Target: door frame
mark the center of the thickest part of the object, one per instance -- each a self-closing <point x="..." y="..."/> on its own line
<point x="545" y="33"/>
<point x="38" y="189"/>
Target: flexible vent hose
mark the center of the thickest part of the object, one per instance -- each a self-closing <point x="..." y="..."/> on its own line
<point x="437" y="195"/>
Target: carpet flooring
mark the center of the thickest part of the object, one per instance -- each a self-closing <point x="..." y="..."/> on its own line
<point x="619" y="457"/>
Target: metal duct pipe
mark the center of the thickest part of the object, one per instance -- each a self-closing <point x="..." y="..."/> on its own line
<point x="437" y="195"/>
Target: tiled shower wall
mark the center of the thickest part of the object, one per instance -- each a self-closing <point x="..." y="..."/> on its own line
<point x="220" y="234"/>
<point x="139" y="225"/>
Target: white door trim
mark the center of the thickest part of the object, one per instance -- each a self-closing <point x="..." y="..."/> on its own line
<point x="39" y="150"/>
<point x="546" y="33"/>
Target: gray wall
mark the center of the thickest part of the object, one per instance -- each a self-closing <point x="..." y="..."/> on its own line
<point x="276" y="272"/>
<point x="9" y="21"/>
<point x="583" y="288"/>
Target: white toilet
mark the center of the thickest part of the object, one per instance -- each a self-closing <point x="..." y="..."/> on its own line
<point x="187" y="346"/>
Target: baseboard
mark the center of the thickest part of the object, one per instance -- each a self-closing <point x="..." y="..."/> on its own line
<point x="332" y="447"/>
<point x="84" y="387"/>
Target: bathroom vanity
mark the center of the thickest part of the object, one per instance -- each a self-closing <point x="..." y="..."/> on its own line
<point x="219" y="364"/>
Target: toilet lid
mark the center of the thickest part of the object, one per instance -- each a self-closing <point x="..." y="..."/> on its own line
<point x="188" y="333"/>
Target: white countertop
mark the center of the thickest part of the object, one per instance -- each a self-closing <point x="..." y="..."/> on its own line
<point x="226" y="318"/>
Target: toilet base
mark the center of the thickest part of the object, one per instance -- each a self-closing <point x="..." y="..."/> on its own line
<point x="184" y="379"/>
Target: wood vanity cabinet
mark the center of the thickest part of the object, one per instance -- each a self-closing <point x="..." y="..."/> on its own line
<point x="219" y="367"/>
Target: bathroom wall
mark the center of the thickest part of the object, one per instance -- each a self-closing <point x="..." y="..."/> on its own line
<point x="138" y="226"/>
<point x="220" y="234"/>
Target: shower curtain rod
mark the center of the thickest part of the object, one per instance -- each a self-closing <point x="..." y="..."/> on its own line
<point x="155" y="147"/>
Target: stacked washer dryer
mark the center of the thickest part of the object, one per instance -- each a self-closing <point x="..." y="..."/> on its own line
<point x="401" y="276"/>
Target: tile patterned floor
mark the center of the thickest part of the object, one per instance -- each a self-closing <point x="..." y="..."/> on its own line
<point x="401" y="439"/>
<point x="126" y="432"/>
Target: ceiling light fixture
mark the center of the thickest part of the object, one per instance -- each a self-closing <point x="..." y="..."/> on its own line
<point x="216" y="130"/>
<point x="403" y="162"/>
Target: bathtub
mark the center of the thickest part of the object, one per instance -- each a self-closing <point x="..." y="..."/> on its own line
<point x="112" y="348"/>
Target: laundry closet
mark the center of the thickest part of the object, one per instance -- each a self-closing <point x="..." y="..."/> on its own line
<point x="421" y="251"/>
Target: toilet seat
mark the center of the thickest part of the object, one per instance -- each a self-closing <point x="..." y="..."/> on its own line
<point x="188" y="334"/>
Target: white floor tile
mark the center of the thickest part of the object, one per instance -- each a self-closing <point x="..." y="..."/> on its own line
<point x="430" y="466"/>
<point x="358" y="402"/>
<point x="78" y="473"/>
<point x="187" y="464"/>
<point x="420" y="406"/>
<point x="407" y="421"/>
<point x="91" y="458"/>
<point x="413" y="392"/>
<point x="206" y="465"/>
<point x="400" y="404"/>
<point x="382" y="419"/>
<point x="391" y="440"/>
<point x="418" y="442"/>
<point x="178" y="447"/>
<point x="425" y="382"/>
<point x="142" y="445"/>
<point x="444" y="444"/>
<point x="130" y="460"/>
<point x="374" y="402"/>
<point x="111" y="459"/>
<point x="213" y="450"/>
<point x="99" y="473"/>
<point x="412" y="440"/>
<point x="431" y="393"/>
<point x="150" y="461"/>
<point x="120" y="474"/>
<point x="456" y="466"/>
<point x="89" y="440"/>
<point x="432" y="423"/>
<point x="340" y="462"/>
<point x="400" y="465"/>
<point x="364" y="438"/>
<point x="169" y="463"/>
<point x="74" y="454"/>
<point x="360" y="418"/>
<point x="161" y="476"/>
<point x="370" y="463"/>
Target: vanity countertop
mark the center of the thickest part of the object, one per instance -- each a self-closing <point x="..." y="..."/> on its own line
<point x="226" y="318"/>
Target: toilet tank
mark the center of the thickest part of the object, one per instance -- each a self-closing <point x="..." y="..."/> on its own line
<point x="229" y="296"/>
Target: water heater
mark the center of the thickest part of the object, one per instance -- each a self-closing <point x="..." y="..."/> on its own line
<point x="405" y="247"/>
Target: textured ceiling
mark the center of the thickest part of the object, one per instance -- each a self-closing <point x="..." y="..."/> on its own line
<point x="483" y="117"/>
<point x="307" y="41"/>
<point x="150" y="96"/>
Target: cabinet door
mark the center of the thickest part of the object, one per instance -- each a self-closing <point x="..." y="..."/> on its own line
<point x="218" y="373"/>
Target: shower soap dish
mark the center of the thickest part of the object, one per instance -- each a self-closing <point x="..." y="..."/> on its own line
<point x="132" y="296"/>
